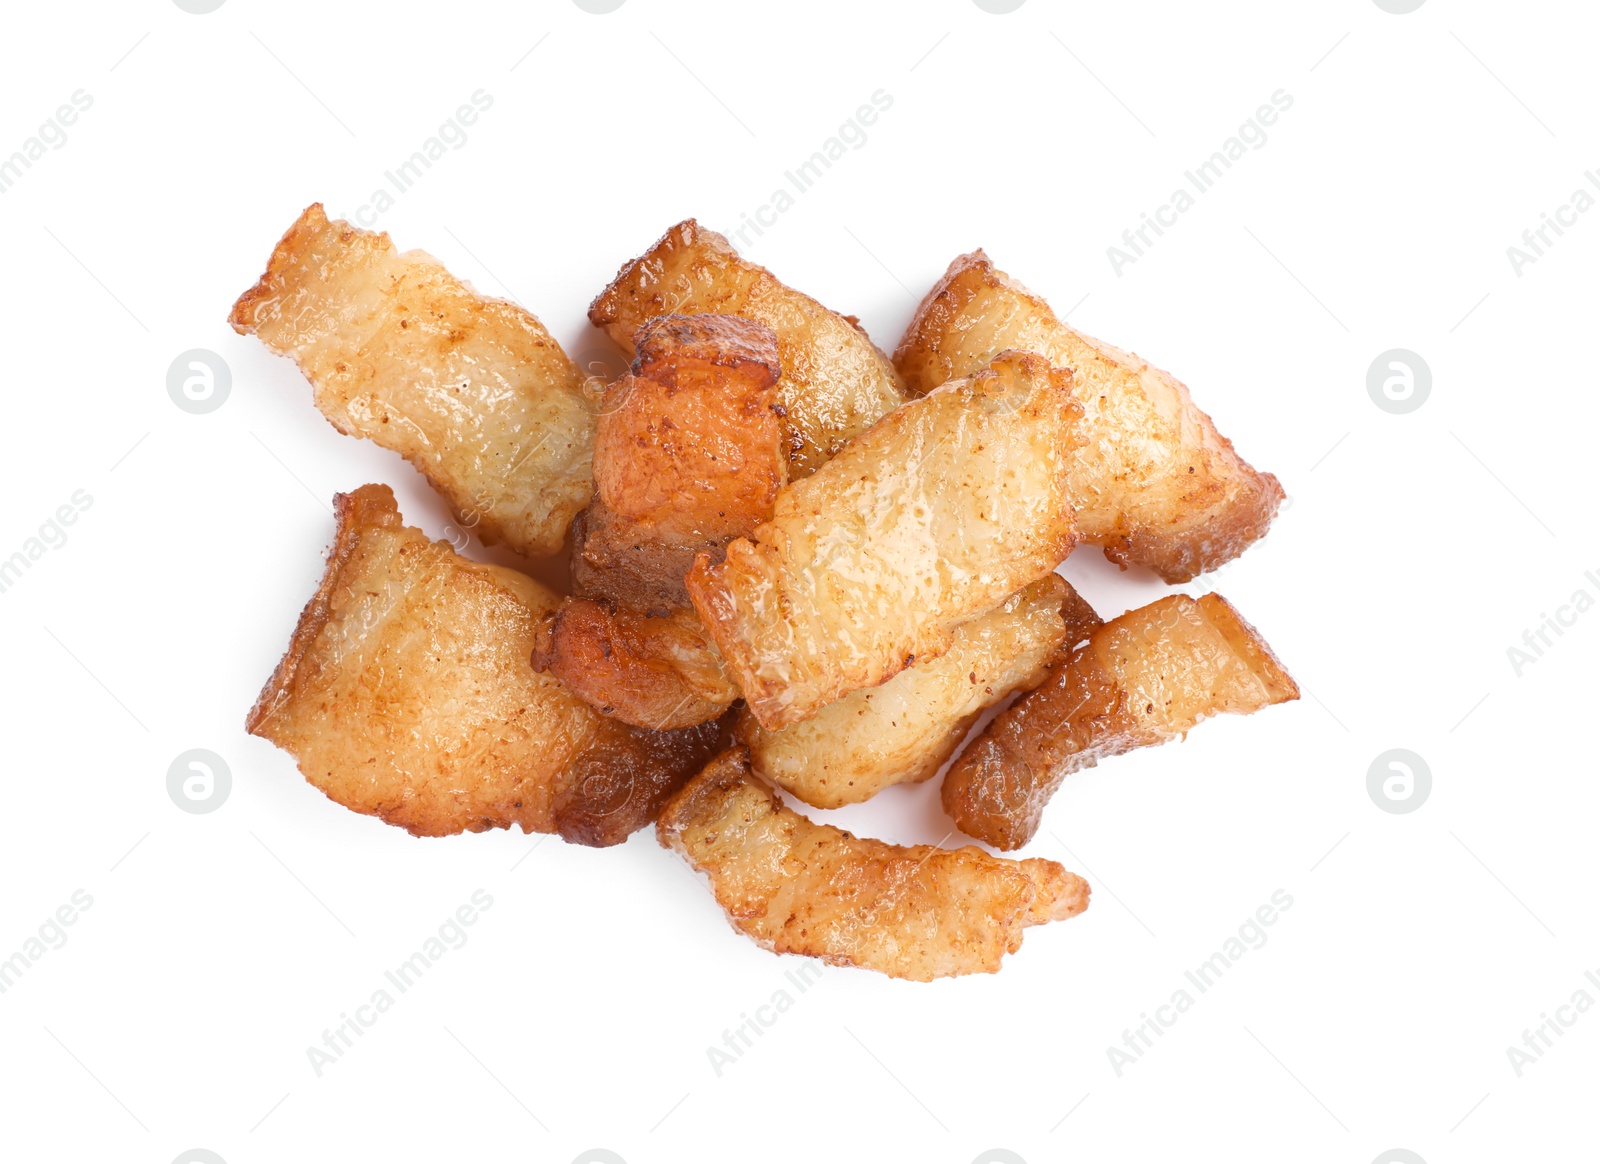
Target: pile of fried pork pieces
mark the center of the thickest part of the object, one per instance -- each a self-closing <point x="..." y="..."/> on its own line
<point x="796" y="564"/>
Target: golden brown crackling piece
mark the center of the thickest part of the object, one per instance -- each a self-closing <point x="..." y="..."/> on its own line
<point x="902" y="731"/>
<point x="935" y="515"/>
<point x="406" y="694"/>
<point x="1154" y="482"/>
<point x="688" y="441"/>
<point x="473" y="391"/>
<point x="835" y="383"/>
<point x="652" y="671"/>
<point x="687" y="456"/>
<point x="908" y="911"/>
<point x="1141" y="679"/>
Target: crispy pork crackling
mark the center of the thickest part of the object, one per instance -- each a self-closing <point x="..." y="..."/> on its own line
<point x="406" y="694"/>
<point x="937" y="514"/>
<point x="473" y="391"/>
<point x="1139" y="680"/>
<point x="1154" y="483"/>
<point x="908" y="911"/>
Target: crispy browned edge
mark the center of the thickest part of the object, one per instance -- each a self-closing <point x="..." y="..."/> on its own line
<point x="724" y="340"/>
<point x="1176" y="559"/>
<point x="1080" y="618"/>
<point x="1077" y="715"/>
<point x="369" y="507"/>
<point x="605" y="308"/>
<point x="311" y="222"/>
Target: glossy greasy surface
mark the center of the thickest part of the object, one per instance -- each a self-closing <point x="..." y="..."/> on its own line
<point x="903" y="730"/>
<point x="938" y="513"/>
<point x="798" y="887"/>
<point x="688" y="441"/>
<point x="835" y="382"/>
<point x="653" y="671"/>
<point x="1154" y="482"/>
<point x="406" y="694"/>
<point x="1140" y="679"/>
<point x="472" y="391"/>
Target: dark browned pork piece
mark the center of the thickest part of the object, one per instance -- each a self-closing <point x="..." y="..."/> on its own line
<point x="908" y="911"/>
<point x="406" y="694"/>
<point x="1154" y="484"/>
<point x="1139" y="680"/>
<point x="653" y="670"/>
<point x="688" y="457"/>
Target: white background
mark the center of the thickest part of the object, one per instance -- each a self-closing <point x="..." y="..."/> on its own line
<point x="1416" y="550"/>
